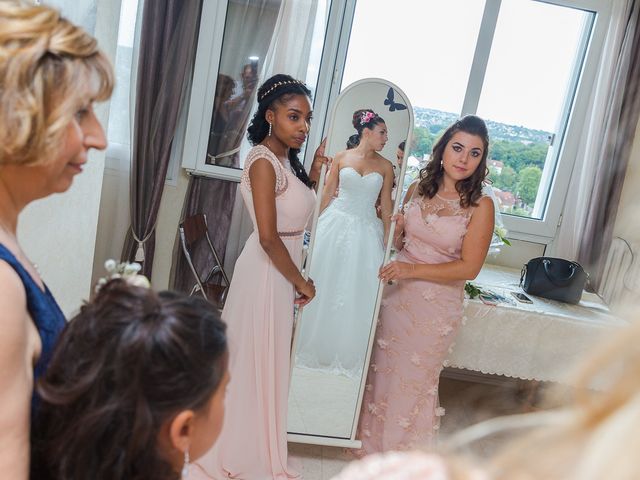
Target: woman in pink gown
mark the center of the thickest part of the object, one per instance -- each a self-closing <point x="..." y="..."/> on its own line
<point x="259" y="308"/>
<point x="442" y="237"/>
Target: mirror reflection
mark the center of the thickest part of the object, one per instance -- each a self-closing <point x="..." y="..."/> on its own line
<point x="231" y="109"/>
<point x="366" y="144"/>
<point x="348" y="251"/>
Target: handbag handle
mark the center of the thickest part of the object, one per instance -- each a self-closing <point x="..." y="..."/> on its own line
<point x="559" y="282"/>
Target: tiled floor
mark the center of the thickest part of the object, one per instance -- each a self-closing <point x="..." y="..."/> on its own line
<point x="465" y="402"/>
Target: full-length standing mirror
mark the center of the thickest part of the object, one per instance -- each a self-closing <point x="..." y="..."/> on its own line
<point x="371" y="123"/>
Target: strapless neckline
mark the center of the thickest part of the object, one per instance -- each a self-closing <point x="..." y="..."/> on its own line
<point x="359" y="174"/>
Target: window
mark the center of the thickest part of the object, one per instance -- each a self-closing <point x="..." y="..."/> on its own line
<point x="516" y="63"/>
<point x="526" y="66"/>
<point x="261" y="38"/>
<point x="537" y="50"/>
<point x="119" y="130"/>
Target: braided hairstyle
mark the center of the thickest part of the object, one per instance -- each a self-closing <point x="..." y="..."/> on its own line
<point x="470" y="189"/>
<point x="363" y="118"/>
<point x="278" y="89"/>
<point x="123" y="367"/>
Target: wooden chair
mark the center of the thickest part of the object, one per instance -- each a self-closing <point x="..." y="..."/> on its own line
<point x="193" y="230"/>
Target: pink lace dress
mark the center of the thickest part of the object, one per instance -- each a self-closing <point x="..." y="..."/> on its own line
<point x="259" y="317"/>
<point x="418" y="322"/>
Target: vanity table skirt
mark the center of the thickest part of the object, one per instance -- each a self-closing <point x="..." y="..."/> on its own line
<point x="539" y="341"/>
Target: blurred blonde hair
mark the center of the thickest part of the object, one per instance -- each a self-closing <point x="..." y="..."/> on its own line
<point x="49" y="68"/>
<point x="594" y="436"/>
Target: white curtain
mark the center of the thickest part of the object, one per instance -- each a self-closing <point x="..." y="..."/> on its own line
<point x="288" y="53"/>
<point x="569" y="234"/>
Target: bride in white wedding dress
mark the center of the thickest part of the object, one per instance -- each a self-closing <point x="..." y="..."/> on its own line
<point x="348" y="252"/>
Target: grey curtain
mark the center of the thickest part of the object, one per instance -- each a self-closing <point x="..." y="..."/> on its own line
<point x="167" y="49"/>
<point x="621" y="120"/>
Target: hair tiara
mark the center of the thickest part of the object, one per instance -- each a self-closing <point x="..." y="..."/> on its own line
<point x="277" y="85"/>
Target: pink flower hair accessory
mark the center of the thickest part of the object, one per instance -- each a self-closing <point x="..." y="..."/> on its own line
<point x="367" y="117"/>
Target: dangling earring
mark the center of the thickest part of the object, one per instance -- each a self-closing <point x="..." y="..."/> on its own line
<point x="269" y="129"/>
<point x="186" y="465"/>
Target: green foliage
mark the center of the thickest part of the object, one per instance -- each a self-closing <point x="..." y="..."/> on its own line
<point x="528" y="181"/>
<point x="517" y="155"/>
<point x="472" y="290"/>
<point x="523" y="158"/>
<point x="506" y="180"/>
<point x="521" y="212"/>
<point x="423" y="141"/>
<point x="437" y="130"/>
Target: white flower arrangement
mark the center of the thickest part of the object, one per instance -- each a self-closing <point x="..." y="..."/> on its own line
<point x="501" y="232"/>
<point x="124" y="270"/>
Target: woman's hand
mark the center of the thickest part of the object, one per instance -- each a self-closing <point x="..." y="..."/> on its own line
<point x="306" y="291"/>
<point x="319" y="158"/>
<point x="399" y="219"/>
<point x="396" y="271"/>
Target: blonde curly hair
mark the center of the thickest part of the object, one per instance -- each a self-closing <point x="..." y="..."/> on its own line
<point x="49" y="69"/>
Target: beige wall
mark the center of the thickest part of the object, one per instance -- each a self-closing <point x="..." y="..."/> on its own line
<point x="167" y="228"/>
<point x="516" y="255"/>
<point x="627" y="221"/>
<point x="59" y="232"/>
<point x="114" y="218"/>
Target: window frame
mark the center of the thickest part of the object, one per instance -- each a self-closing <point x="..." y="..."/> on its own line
<point x="205" y="76"/>
<point x="557" y="173"/>
<point x="562" y="153"/>
<point x="574" y="114"/>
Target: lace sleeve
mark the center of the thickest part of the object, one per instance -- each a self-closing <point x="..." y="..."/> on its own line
<point x="263" y="152"/>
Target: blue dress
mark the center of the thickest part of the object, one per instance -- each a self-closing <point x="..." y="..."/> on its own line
<point x="43" y="309"/>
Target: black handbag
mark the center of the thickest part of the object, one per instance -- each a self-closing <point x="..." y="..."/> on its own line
<point x="553" y="278"/>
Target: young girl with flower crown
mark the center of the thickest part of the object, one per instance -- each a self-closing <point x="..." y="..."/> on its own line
<point x="136" y="385"/>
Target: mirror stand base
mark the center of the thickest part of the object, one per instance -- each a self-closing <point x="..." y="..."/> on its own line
<point x="327" y="441"/>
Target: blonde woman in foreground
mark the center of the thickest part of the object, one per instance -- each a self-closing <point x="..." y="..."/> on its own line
<point x="51" y="72"/>
<point x="593" y="437"/>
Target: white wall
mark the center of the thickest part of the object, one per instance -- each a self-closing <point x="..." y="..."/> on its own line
<point x="516" y="255"/>
<point x="59" y="232"/>
<point x="114" y="218"/>
<point x="627" y="225"/>
<point x="167" y="229"/>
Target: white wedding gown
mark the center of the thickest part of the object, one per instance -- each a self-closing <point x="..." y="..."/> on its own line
<point x="347" y="256"/>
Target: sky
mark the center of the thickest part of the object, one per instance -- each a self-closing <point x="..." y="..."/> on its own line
<point x="426" y="48"/>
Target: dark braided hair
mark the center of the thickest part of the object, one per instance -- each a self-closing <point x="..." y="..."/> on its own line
<point x="370" y="122"/>
<point x="124" y="366"/>
<point x="279" y="88"/>
<point x="470" y="189"/>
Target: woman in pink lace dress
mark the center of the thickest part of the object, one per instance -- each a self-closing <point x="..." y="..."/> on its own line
<point x="259" y="309"/>
<point x="442" y="237"/>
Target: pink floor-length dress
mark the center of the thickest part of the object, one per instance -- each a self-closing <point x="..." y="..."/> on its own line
<point x="416" y="328"/>
<point x="259" y="315"/>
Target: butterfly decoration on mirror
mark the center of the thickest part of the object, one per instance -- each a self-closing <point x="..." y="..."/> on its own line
<point x="393" y="105"/>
